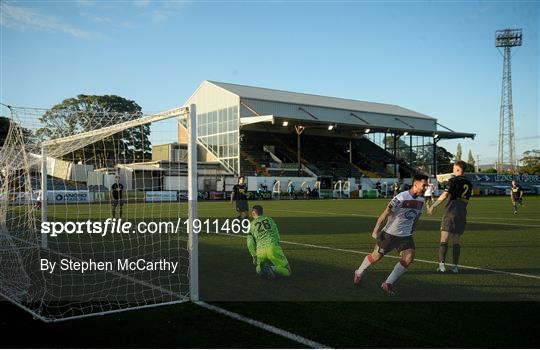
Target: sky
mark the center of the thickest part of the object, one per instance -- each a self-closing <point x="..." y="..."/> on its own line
<point x="436" y="58"/>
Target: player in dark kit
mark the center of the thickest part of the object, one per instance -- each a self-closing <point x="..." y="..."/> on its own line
<point x="116" y="195"/>
<point x="516" y="195"/>
<point x="454" y="219"/>
<point x="239" y="194"/>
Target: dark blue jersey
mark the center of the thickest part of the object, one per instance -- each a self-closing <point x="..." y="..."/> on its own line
<point x="240" y="192"/>
<point x="116" y="190"/>
<point x="459" y="188"/>
<point x="517" y="191"/>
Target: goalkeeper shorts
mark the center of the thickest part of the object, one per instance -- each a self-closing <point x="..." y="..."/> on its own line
<point x="274" y="256"/>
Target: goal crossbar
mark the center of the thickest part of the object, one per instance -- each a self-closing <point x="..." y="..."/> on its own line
<point x="110" y="130"/>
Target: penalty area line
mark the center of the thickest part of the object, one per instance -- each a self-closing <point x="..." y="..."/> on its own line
<point x="393" y="257"/>
<point x="266" y="327"/>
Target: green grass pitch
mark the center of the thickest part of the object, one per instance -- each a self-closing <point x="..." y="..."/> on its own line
<point x="492" y="302"/>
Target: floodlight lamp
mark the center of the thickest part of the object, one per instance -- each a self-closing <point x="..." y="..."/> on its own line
<point x="285" y="123"/>
<point x="508" y="37"/>
<point x="330" y="127"/>
<point x="367" y="131"/>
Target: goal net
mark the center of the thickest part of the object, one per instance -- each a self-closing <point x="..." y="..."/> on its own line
<point x="94" y="213"/>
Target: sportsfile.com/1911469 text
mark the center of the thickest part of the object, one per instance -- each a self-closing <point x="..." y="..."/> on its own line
<point x="113" y="226"/>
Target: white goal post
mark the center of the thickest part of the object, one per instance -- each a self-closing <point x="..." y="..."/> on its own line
<point x="193" y="239"/>
<point x="71" y="166"/>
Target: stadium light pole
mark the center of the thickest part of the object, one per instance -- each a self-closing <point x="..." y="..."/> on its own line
<point x="192" y="205"/>
<point x="506" y="39"/>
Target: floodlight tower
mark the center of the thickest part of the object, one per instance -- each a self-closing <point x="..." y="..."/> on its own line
<point x="507" y="38"/>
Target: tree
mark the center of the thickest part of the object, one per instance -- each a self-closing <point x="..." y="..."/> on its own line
<point x="403" y="151"/>
<point x="458" y="152"/>
<point x="90" y="112"/>
<point x="469" y="168"/>
<point x="444" y="161"/>
<point x="4" y="129"/>
<point x="531" y="162"/>
<point x="470" y="159"/>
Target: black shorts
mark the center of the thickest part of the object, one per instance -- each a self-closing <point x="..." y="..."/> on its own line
<point x="117" y="202"/>
<point x="242" y="205"/>
<point x="454" y="222"/>
<point x="454" y="219"/>
<point x="517" y="200"/>
<point x="387" y="242"/>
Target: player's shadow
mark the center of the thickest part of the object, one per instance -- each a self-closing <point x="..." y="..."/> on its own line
<point x="227" y="274"/>
<point x="433" y="224"/>
<point x="490" y="227"/>
<point x="529" y="273"/>
<point x="499" y="245"/>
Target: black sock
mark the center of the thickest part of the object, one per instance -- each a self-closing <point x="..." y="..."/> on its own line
<point x="443" y="249"/>
<point x="456" y="250"/>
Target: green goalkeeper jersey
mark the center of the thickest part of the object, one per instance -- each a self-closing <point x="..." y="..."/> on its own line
<point x="263" y="234"/>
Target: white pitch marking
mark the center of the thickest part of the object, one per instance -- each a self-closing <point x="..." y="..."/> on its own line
<point x="393" y="257"/>
<point x="281" y="332"/>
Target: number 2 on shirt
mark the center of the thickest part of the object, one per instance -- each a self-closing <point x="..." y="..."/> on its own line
<point x="465" y="190"/>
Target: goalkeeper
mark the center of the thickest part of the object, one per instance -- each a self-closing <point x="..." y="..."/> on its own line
<point x="263" y="245"/>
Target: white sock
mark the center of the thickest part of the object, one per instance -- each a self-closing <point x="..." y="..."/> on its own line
<point x="365" y="264"/>
<point x="396" y="273"/>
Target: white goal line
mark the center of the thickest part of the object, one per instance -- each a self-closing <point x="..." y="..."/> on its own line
<point x="269" y="328"/>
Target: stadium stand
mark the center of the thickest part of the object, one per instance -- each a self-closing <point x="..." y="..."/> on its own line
<point x="325" y="156"/>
